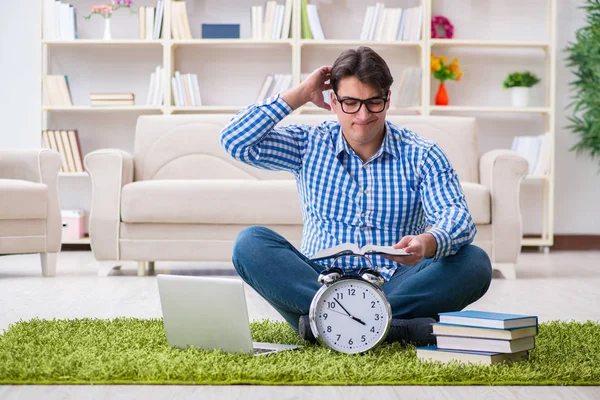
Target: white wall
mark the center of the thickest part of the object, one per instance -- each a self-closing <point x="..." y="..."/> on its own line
<point x="577" y="180"/>
<point x="20" y="81"/>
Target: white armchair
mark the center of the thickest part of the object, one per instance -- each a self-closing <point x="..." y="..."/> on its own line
<point x="30" y="219"/>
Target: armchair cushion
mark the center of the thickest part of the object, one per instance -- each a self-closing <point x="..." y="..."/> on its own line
<point x="479" y="202"/>
<point x="23" y="199"/>
<point x="231" y="201"/>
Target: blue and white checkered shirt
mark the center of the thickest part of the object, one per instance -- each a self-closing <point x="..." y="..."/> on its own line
<point x="408" y="186"/>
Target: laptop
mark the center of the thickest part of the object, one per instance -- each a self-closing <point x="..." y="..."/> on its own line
<point x="209" y="313"/>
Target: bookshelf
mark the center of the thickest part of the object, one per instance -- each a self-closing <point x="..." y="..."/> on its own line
<point x="231" y="71"/>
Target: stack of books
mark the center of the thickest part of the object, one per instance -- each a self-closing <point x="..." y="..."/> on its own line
<point x="481" y="337"/>
<point x="112" y="99"/>
<point x="66" y="142"/>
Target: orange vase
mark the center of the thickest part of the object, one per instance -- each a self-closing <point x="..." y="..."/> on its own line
<point x="441" y="98"/>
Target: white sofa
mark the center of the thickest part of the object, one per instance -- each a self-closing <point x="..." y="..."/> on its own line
<point x="30" y="219"/>
<point x="181" y="197"/>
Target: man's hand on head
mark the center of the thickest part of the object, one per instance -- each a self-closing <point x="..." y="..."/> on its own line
<point x="310" y="90"/>
<point x="419" y="247"/>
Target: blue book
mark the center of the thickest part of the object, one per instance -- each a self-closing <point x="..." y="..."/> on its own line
<point x="488" y="319"/>
<point x="432" y="353"/>
<point x="220" y="31"/>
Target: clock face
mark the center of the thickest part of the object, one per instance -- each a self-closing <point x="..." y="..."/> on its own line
<point x="350" y="315"/>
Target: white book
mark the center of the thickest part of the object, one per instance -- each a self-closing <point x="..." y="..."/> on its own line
<point x="175" y="89"/>
<point x="149" y="22"/>
<point x="379" y="29"/>
<point x="151" y="89"/>
<point x="269" y="19"/>
<point x="273" y="89"/>
<point x="48" y="19"/>
<point x="314" y="22"/>
<point x="160" y="5"/>
<point x="181" y="89"/>
<point x="265" y="88"/>
<point x="543" y="165"/>
<point x="408" y="23"/>
<point x="379" y="7"/>
<point x="477" y="344"/>
<point x="65" y="21"/>
<point x="190" y="88"/>
<point x="196" y="89"/>
<point x="278" y="25"/>
<point x="353" y="249"/>
<point x="402" y="23"/>
<point x="416" y="33"/>
<point x="432" y="353"/>
<point x="287" y="20"/>
<point x="256" y="22"/>
<point x="175" y="21"/>
<point x="57" y="29"/>
<point x="158" y="99"/>
<point x="364" y="32"/>
<point x="393" y="30"/>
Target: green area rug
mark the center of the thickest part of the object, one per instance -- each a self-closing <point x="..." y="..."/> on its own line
<point x="134" y="351"/>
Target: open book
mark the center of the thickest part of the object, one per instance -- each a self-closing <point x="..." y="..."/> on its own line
<point x="353" y="249"/>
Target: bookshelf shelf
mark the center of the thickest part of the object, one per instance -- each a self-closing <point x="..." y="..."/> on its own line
<point x="103" y="43"/>
<point x="100" y="109"/>
<point x="232" y="70"/>
<point x="533" y="110"/>
<point x="356" y="43"/>
<point x="231" y="43"/>
<point x="487" y="43"/>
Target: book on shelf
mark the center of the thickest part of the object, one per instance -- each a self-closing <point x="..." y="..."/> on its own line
<point x="273" y="23"/>
<point x="59" y="20"/>
<point x="304" y="24"/>
<point x="486" y="319"/>
<point x="156" y="89"/>
<point x="391" y="24"/>
<point x="186" y="90"/>
<point x="180" y="26"/>
<point x="220" y="31"/>
<point x="112" y="99"/>
<point x="274" y="84"/>
<point x="537" y="150"/>
<point x="314" y="22"/>
<point x="409" y="87"/>
<point x="56" y="90"/>
<point x="150" y="21"/>
<point x="349" y="249"/>
<point x="433" y="353"/>
<point x="67" y="143"/>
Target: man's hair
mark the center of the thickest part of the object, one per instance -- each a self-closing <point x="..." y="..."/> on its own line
<point x="365" y="65"/>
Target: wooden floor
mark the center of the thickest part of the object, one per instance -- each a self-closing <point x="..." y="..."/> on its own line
<point x="557" y="286"/>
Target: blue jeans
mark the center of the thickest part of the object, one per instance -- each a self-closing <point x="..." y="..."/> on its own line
<point x="288" y="280"/>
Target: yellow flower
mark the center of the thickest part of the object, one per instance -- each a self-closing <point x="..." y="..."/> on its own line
<point x="435" y="65"/>
<point x="458" y="76"/>
<point x="454" y="67"/>
<point x="443" y="59"/>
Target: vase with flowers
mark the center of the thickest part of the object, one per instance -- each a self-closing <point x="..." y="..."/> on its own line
<point x="443" y="71"/>
<point x="106" y="11"/>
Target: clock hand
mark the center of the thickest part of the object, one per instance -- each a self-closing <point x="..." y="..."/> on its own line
<point x="351" y="316"/>
<point x="339" y="312"/>
<point x="343" y="308"/>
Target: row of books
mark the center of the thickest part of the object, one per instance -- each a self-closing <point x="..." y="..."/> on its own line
<point x="66" y="142"/>
<point x="409" y="87"/>
<point x="481" y="337"/>
<point x="273" y="84"/>
<point x="180" y="25"/>
<point x="537" y="150"/>
<point x="156" y="90"/>
<point x="56" y="91"/>
<point x="186" y="90"/>
<point x="274" y="23"/>
<point x="112" y="99"/>
<point x="150" y="21"/>
<point x="309" y="22"/>
<point x="390" y="24"/>
<point x="59" y="20"/>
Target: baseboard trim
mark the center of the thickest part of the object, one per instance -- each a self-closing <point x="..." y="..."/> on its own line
<point x="576" y="242"/>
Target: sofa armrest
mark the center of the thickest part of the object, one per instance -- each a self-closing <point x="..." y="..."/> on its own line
<point x="502" y="171"/>
<point x="110" y="170"/>
<point x="40" y="166"/>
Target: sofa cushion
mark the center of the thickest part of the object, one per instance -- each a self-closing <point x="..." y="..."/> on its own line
<point x="232" y="201"/>
<point x="23" y="199"/>
<point x="479" y="202"/>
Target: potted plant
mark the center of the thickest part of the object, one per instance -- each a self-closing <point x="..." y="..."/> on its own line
<point x="443" y="72"/>
<point x="106" y="11"/>
<point x="519" y="84"/>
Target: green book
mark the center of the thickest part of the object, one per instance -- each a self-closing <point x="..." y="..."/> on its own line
<point x="306" y="34"/>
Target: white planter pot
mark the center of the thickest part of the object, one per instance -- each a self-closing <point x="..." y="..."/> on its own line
<point x="520" y="96"/>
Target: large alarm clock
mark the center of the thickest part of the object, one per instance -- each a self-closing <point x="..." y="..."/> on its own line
<point x="350" y="313"/>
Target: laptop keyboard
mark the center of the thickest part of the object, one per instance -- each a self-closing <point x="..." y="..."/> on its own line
<point x="258" y="350"/>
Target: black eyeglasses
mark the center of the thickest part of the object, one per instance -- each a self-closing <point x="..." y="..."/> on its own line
<point x="351" y="105"/>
